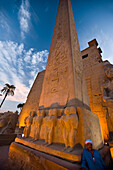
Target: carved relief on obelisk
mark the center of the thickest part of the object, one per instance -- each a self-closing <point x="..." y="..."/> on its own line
<point x="63" y="78"/>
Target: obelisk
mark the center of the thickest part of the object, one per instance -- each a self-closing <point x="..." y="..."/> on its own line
<point x="63" y="86"/>
<point x="63" y="82"/>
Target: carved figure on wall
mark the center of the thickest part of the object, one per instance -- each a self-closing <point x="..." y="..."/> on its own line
<point x="108" y="91"/>
<point x="8" y="122"/>
<point x="37" y="122"/>
<point x="28" y="122"/>
<point x="70" y="124"/>
<point x="107" y="87"/>
<point x="50" y="122"/>
<point x="108" y="69"/>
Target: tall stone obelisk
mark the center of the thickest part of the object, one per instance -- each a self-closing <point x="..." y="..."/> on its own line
<point x="63" y="82"/>
<point x="63" y="86"/>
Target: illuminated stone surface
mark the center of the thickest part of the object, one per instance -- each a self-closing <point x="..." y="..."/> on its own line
<point x="99" y="78"/>
<point x="63" y="80"/>
<point x="55" y="150"/>
<point x="22" y="157"/>
<point x="33" y="97"/>
<point x="28" y="123"/>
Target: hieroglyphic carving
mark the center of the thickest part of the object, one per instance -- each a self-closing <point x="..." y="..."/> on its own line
<point x="64" y="64"/>
<point x="75" y="47"/>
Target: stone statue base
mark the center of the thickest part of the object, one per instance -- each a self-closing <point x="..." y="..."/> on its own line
<point x="53" y="149"/>
<point x="24" y="157"/>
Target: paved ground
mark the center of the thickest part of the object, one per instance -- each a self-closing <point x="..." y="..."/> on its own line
<point x="4" y="157"/>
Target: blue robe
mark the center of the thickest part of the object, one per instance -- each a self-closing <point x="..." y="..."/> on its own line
<point x="89" y="164"/>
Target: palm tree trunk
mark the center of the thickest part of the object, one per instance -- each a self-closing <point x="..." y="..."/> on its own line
<point x="4" y="99"/>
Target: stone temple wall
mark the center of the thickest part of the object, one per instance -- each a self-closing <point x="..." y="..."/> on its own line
<point x="33" y="97"/>
<point x="99" y="78"/>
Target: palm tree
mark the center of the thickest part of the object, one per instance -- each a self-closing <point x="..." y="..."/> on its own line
<point x="7" y="90"/>
<point x="20" y="105"/>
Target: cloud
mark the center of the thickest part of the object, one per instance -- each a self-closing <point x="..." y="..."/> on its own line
<point x="19" y="67"/>
<point x="7" y="25"/>
<point x="4" y="22"/>
<point x="24" y="17"/>
<point x="104" y="39"/>
<point x="106" y="43"/>
<point x="8" y="105"/>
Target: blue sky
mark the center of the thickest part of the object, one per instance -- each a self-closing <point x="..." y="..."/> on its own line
<point x="26" y="28"/>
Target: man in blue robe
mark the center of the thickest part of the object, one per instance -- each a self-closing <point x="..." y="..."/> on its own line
<point x="91" y="158"/>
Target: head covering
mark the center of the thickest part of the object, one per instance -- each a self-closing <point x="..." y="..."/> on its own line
<point x="88" y="141"/>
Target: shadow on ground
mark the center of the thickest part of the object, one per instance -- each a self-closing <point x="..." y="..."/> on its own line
<point x="4" y="157"/>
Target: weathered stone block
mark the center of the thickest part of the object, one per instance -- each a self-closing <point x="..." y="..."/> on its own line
<point x="22" y="158"/>
<point x="89" y="128"/>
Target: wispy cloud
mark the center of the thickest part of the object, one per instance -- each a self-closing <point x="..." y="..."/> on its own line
<point x="20" y="67"/>
<point x="4" y="22"/>
<point x="24" y="17"/>
<point x="104" y="39"/>
<point x="106" y="43"/>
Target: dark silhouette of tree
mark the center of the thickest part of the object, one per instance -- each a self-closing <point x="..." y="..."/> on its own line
<point x="20" y="105"/>
<point x="7" y="90"/>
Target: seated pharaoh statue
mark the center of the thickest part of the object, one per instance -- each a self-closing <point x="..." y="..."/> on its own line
<point x="36" y="126"/>
<point x="107" y="91"/>
<point x="70" y="124"/>
<point x="50" y="122"/>
<point x="61" y="127"/>
<point x="108" y="83"/>
<point x="28" y="122"/>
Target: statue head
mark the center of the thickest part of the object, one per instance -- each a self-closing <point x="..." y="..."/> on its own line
<point x="32" y="113"/>
<point x="38" y="113"/>
<point x="52" y="112"/>
<point x="25" y="120"/>
<point x="67" y="111"/>
<point x="70" y="110"/>
<point x="108" y="69"/>
<point x="41" y="113"/>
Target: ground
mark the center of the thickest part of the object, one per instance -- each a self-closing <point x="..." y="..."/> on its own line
<point x="4" y="157"/>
